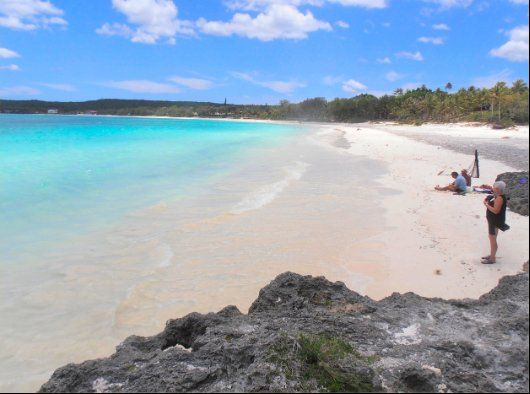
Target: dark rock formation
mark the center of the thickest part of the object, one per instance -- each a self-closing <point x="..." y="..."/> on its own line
<point x="517" y="191"/>
<point x="308" y="334"/>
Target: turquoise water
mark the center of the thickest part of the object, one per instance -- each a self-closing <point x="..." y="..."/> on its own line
<point x="65" y="175"/>
<point x="110" y="226"/>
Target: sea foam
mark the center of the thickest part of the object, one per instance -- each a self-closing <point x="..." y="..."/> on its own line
<point x="266" y="194"/>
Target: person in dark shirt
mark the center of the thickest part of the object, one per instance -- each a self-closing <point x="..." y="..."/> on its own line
<point x="496" y="216"/>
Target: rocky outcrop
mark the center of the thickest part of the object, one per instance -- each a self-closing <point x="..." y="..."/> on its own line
<point x="308" y="334"/>
<point x="516" y="190"/>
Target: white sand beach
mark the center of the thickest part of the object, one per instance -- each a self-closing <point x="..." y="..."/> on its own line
<point x="354" y="203"/>
<point x="432" y="241"/>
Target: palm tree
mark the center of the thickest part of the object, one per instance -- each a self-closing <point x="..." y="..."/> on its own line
<point x="519" y="86"/>
<point x="448" y="86"/>
<point x="499" y="92"/>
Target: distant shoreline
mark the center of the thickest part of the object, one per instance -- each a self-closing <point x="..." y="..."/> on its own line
<point x="288" y="122"/>
<point x="414" y="106"/>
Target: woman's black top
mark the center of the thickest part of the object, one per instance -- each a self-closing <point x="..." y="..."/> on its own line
<point x="498" y="219"/>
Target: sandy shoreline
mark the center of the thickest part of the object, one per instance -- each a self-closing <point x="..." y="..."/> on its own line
<point x="433" y="241"/>
<point x="352" y="202"/>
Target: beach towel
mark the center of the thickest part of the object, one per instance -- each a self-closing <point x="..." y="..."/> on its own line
<point x="479" y="190"/>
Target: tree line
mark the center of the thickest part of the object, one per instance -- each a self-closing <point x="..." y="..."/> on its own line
<point x="502" y="105"/>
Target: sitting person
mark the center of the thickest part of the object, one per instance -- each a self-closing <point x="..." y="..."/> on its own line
<point x="467" y="177"/>
<point x="458" y="186"/>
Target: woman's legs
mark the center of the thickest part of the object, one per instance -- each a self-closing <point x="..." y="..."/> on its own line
<point x="493" y="231"/>
<point x="448" y="188"/>
<point x="493" y="246"/>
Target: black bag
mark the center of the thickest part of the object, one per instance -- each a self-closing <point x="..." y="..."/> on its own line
<point x="504" y="227"/>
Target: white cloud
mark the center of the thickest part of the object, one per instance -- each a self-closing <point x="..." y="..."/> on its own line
<point x="18" y="91"/>
<point x="279" y="21"/>
<point x="441" y="26"/>
<point x="330" y="80"/>
<point x="417" y="56"/>
<point x="193" y="83"/>
<point x="10" y="67"/>
<point x="277" y="86"/>
<point x="7" y="53"/>
<point x="411" y="86"/>
<point x="151" y="21"/>
<point x="142" y="86"/>
<point x="432" y="40"/>
<point x="59" y="86"/>
<point x="115" y="29"/>
<point x="257" y="5"/>
<point x="29" y="14"/>
<point x="352" y="86"/>
<point x="393" y="76"/>
<point x="446" y="4"/>
<point x="489" y="81"/>
<point x="283" y="86"/>
<point x="385" y="60"/>
<point x="362" y="3"/>
<point x="516" y="49"/>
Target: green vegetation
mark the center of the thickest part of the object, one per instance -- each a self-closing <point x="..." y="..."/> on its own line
<point x="328" y="362"/>
<point x="501" y="105"/>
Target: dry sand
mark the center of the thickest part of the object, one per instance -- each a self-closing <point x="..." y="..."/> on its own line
<point x="433" y="241"/>
<point x="509" y="146"/>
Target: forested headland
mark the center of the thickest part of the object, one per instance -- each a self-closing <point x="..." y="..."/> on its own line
<point x="502" y="105"/>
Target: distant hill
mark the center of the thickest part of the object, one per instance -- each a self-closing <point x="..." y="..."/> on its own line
<point x="102" y="106"/>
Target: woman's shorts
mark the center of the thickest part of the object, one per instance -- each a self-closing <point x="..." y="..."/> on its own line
<point x="492" y="228"/>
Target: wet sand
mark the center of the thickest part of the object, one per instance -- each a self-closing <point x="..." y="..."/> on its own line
<point x="298" y="207"/>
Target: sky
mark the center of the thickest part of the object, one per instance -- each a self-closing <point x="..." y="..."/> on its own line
<point x="255" y="51"/>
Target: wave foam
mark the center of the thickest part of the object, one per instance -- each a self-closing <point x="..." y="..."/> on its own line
<point x="266" y="194"/>
<point x="166" y="256"/>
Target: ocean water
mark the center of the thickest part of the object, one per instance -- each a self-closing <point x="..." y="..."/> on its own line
<point x="62" y="175"/>
<point x="110" y="226"/>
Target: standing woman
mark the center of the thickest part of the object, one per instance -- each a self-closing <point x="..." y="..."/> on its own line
<point x="496" y="215"/>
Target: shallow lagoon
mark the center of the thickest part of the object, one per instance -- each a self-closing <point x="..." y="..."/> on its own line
<point x="111" y="226"/>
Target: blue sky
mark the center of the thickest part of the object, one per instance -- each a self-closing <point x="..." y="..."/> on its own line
<point x="255" y="51"/>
